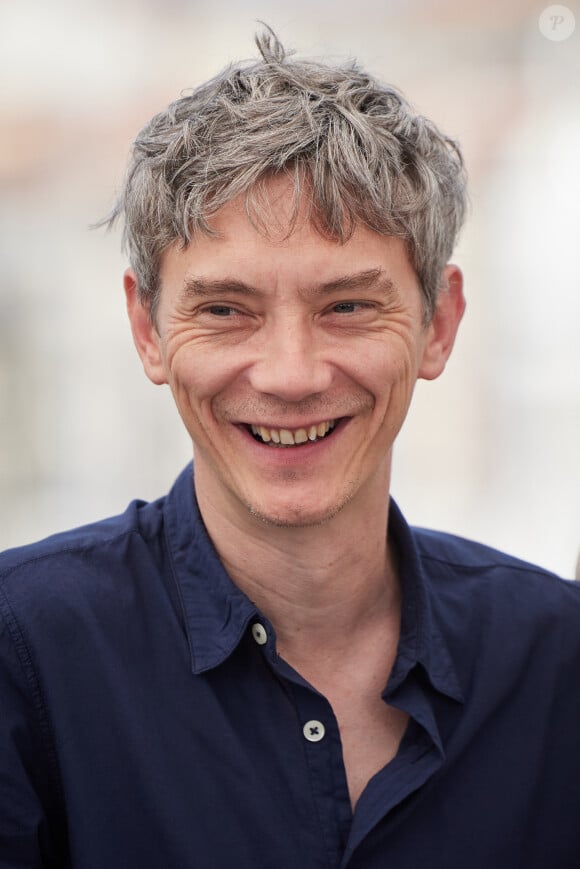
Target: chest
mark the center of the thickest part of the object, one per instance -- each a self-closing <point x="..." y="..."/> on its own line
<point x="370" y="730"/>
<point x="175" y="770"/>
<point x="370" y="733"/>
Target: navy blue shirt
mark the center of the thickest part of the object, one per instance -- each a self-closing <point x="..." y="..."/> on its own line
<point x="147" y="722"/>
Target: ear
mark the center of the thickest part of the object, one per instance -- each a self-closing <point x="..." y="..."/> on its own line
<point x="145" y="334"/>
<point x="444" y="324"/>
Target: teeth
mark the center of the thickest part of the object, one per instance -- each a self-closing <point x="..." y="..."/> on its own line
<point x="286" y="437"/>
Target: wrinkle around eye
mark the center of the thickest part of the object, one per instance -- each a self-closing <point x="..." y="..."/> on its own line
<point x="353" y="314"/>
<point x="190" y="328"/>
<point x="217" y="315"/>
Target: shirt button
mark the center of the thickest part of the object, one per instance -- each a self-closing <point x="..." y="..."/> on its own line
<point x="314" y="731"/>
<point x="259" y="634"/>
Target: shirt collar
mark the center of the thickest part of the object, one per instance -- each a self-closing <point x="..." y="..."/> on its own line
<point x="422" y="642"/>
<point x="217" y="612"/>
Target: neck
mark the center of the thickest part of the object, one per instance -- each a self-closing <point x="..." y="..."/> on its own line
<point x="319" y="586"/>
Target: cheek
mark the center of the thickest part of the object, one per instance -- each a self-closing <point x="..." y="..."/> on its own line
<point x="203" y="383"/>
<point x="385" y="365"/>
<point x="192" y="377"/>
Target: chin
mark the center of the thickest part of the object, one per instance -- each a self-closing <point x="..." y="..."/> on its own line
<point x="297" y="515"/>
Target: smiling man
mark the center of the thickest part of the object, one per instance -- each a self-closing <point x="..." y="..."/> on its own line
<point x="269" y="667"/>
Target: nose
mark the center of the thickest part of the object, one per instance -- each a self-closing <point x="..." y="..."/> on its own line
<point x="290" y="364"/>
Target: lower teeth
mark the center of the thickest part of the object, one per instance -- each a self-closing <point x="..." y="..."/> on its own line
<point x="285" y="446"/>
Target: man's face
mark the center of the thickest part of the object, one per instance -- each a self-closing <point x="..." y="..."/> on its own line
<point x="292" y="363"/>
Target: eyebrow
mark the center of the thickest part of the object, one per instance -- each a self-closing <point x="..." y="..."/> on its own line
<point x="367" y="280"/>
<point x="203" y="287"/>
<point x="195" y="287"/>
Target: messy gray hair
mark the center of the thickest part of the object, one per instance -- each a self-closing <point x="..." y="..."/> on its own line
<point x="356" y="151"/>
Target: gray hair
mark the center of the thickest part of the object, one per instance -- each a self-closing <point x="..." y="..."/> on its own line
<point x="353" y="145"/>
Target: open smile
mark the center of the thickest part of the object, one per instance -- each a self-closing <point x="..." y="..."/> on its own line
<point x="286" y="437"/>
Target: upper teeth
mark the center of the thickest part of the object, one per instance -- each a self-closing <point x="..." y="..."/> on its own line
<point x="287" y="437"/>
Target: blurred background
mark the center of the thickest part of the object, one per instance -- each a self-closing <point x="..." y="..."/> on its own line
<point x="490" y="451"/>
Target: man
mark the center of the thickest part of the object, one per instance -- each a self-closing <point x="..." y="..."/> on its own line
<point x="268" y="667"/>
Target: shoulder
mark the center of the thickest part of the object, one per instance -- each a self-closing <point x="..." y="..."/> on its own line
<point x="89" y="556"/>
<point x="455" y="562"/>
<point x="489" y="599"/>
<point x="462" y="556"/>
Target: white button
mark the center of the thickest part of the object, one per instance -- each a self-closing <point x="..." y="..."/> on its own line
<point x="314" y="730"/>
<point x="259" y="634"/>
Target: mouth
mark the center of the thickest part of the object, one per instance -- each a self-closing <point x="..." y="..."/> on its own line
<point x="288" y="438"/>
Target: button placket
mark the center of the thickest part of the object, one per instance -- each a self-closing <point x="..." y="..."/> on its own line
<point x="324" y="766"/>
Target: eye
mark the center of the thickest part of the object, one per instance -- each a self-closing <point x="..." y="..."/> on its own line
<point x="220" y="310"/>
<point x="349" y="307"/>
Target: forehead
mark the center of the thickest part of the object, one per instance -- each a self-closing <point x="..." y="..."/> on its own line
<point x="289" y="252"/>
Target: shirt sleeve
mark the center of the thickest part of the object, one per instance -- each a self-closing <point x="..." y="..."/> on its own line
<point x="29" y="799"/>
